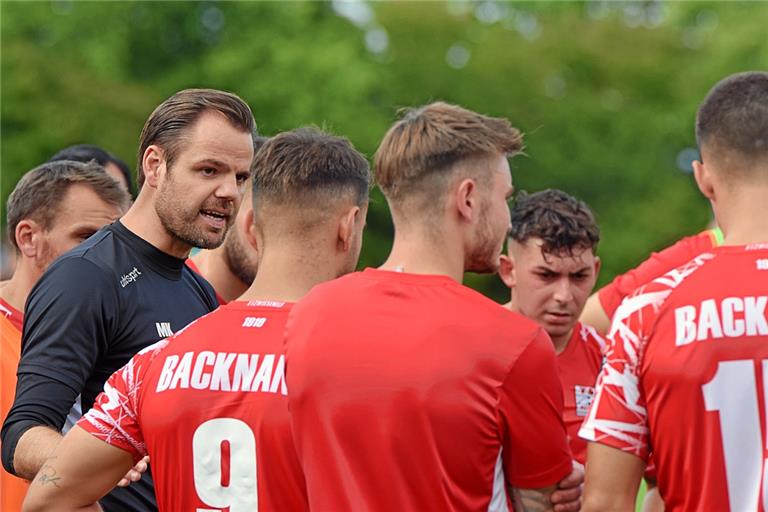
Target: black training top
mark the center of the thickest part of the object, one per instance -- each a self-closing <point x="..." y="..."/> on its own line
<point x="92" y="310"/>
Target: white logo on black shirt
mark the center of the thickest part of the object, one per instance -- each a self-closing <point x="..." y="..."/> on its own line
<point x="164" y="329"/>
<point x="129" y="277"/>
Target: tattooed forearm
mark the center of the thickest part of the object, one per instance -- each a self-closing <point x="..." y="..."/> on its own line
<point x="47" y="475"/>
<point x="532" y="500"/>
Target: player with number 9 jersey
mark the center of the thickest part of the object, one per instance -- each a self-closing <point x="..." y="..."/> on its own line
<point x="687" y="374"/>
<point x="209" y="406"/>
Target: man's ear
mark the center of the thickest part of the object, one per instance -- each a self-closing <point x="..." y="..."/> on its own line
<point x="29" y="236"/>
<point x="703" y="176"/>
<point x="347" y="224"/>
<point x="507" y="271"/>
<point x="249" y="228"/>
<point x="598" y="264"/>
<point x="153" y="163"/>
<point x="466" y="199"/>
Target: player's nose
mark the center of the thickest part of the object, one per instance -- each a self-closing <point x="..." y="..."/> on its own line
<point x="563" y="291"/>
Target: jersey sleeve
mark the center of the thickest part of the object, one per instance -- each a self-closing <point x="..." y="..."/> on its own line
<point x="65" y="329"/>
<point x="535" y="448"/>
<point x="658" y="264"/>
<point x="70" y="315"/>
<point x="618" y="416"/>
<point x="114" y="417"/>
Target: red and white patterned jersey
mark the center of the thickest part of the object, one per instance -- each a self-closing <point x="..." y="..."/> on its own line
<point x="209" y="406"/>
<point x="412" y="392"/>
<point x="686" y="373"/>
<point x="657" y="264"/>
<point x="579" y="366"/>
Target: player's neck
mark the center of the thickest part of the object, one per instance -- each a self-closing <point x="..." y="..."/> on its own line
<point x="417" y="254"/>
<point x="214" y="268"/>
<point x="561" y="342"/>
<point x="745" y="219"/>
<point x="142" y="220"/>
<point x="288" y="275"/>
<point x="16" y="290"/>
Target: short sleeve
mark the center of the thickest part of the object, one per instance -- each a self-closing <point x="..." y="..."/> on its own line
<point x="618" y="416"/>
<point x="68" y="319"/>
<point x="535" y="448"/>
<point x="657" y="264"/>
<point x="114" y="417"/>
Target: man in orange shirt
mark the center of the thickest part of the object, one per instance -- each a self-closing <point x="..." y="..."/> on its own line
<point x="53" y="208"/>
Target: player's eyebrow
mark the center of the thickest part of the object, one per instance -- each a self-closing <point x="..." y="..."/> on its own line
<point x="212" y="162"/>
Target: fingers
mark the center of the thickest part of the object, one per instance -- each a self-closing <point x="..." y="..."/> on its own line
<point x="134" y="474"/>
<point x="565" y="496"/>
<point x="575" y="479"/>
<point x="573" y="506"/>
<point x="141" y="466"/>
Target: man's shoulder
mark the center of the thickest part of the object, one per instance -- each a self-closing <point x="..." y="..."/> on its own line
<point x="637" y="317"/>
<point x="102" y="251"/>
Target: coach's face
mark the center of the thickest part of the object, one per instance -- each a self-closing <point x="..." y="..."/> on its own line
<point x="549" y="289"/>
<point x="199" y="194"/>
<point x="494" y="218"/>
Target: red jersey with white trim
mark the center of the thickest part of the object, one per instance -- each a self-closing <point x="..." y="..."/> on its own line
<point x="579" y="366"/>
<point x="412" y="392"/>
<point x="686" y="372"/>
<point x="209" y="406"/>
<point x="13" y="315"/>
<point x="658" y="264"/>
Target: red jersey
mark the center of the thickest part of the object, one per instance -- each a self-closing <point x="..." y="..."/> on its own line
<point x="687" y="372"/>
<point x="658" y="264"/>
<point x="413" y="392"/>
<point x="208" y="405"/>
<point x="579" y="366"/>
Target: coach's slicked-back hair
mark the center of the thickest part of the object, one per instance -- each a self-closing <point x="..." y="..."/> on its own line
<point x="88" y="152"/>
<point x="428" y="141"/>
<point x="561" y="221"/>
<point x="733" y="119"/>
<point x="168" y="124"/>
<point x="301" y="164"/>
<point x="39" y="193"/>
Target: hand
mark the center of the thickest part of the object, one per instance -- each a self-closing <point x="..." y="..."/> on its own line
<point x="567" y="497"/>
<point x="134" y="474"/>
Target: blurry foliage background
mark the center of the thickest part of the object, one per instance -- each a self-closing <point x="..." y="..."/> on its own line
<point x="606" y="92"/>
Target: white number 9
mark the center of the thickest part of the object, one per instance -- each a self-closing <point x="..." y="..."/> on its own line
<point x="240" y="492"/>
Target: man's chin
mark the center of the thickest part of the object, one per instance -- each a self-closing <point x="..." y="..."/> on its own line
<point x="556" y="331"/>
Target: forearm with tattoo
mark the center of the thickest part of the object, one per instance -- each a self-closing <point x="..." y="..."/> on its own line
<point x="47" y="475"/>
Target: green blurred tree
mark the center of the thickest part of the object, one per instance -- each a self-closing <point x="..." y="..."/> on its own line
<point x="606" y="91"/>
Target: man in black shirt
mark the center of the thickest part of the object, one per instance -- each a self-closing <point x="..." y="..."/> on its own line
<point x="127" y="286"/>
